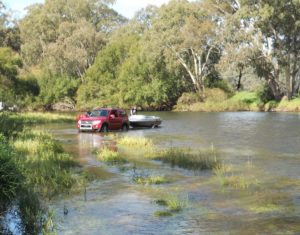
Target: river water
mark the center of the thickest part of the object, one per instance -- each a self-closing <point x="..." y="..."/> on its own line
<point x="114" y="204"/>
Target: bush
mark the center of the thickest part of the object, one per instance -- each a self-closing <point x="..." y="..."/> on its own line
<point x="265" y="94"/>
<point x="9" y="126"/>
<point x="215" y="95"/>
<point x="10" y="176"/>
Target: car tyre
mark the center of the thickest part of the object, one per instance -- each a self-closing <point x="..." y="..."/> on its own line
<point x="104" y="128"/>
<point x="124" y="127"/>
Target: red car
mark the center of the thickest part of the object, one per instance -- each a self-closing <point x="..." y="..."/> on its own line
<point x="103" y="120"/>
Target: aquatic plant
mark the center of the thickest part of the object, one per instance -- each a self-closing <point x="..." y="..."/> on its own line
<point x="44" y="163"/>
<point x="109" y="156"/>
<point x="173" y="202"/>
<point x="162" y="213"/>
<point x="136" y="142"/>
<point x="265" y="201"/>
<point x="201" y="160"/>
<point x="226" y="176"/>
<point x="150" y="179"/>
<point x="11" y="179"/>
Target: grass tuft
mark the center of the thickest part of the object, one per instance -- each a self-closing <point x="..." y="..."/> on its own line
<point x="150" y="180"/>
<point x="201" y="160"/>
<point x="162" y="213"/>
<point x="136" y="142"/>
<point x="173" y="202"/>
<point x="110" y="156"/>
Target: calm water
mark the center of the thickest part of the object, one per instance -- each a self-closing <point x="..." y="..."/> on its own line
<point x="113" y="204"/>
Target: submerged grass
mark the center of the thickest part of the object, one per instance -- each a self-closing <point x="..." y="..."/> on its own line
<point x="173" y="203"/>
<point x="110" y="156"/>
<point x="144" y="145"/>
<point x="33" y="168"/>
<point x="46" y="167"/>
<point x="228" y="177"/>
<point x="200" y="160"/>
<point x="150" y="180"/>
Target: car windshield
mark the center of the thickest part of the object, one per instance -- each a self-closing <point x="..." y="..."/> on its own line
<point x="99" y="113"/>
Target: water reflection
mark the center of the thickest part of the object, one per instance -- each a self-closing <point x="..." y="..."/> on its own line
<point x="115" y="205"/>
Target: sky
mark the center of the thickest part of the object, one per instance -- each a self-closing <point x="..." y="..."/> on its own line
<point x="126" y="8"/>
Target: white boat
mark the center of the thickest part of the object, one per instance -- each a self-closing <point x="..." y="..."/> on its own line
<point x="144" y="121"/>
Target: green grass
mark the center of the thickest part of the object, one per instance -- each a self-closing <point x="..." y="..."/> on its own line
<point x="110" y="156"/>
<point x="173" y="203"/>
<point x="269" y="201"/>
<point x="200" y="160"/>
<point x="218" y="101"/>
<point x="33" y="169"/>
<point x="150" y="180"/>
<point x="136" y="142"/>
<point x="227" y="177"/>
<point x="44" y="163"/>
<point x="39" y="117"/>
<point x="162" y="213"/>
<point x="289" y="106"/>
<point x="11" y="179"/>
<point x="245" y="97"/>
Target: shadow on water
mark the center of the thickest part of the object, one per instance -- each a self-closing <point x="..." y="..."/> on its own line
<point x="260" y="195"/>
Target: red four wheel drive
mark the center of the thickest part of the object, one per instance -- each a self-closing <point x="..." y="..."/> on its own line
<point x="103" y="119"/>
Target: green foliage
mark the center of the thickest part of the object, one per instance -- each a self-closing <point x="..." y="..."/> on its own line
<point x="11" y="179"/>
<point x="100" y="86"/>
<point x="65" y="36"/>
<point x="46" y="167"/>
<point x="289" y="106"/>
<point x="265" y="94"/>
<point x="46" y="173"/>
<point x="10" y="62"/>
<point x="9" y="126"/>
<point x="56" y="88"/>
<point x="245" y="97"/>
<point x="131" y="70"/>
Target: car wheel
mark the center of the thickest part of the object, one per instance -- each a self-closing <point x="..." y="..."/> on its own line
<point x="104" y="128"/>
<point x="124" y="127"/>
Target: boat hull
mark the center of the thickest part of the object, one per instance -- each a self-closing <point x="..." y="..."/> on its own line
<point x="144" y="121"/>
<point x="148" y="124"/>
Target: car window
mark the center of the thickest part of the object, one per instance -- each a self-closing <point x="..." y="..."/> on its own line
<point x="99" y="113"/>
<point x="114" y="112"/>
<point x="122" y="113"/>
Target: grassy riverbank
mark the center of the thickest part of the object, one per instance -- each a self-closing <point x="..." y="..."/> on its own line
<point x="33" y="169"/>
<point x="218" y="101"/>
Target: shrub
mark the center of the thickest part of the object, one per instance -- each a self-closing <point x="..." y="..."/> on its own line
<point x="11" y="179"/>
<point x="10" y="126"/>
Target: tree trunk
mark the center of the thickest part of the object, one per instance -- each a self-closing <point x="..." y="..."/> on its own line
<point x="239" y="84"/>
<point x="288" y="83"/>
<point x="274" y="87"/>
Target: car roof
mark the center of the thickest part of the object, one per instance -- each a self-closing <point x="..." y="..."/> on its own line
<point x="105" y="108"/>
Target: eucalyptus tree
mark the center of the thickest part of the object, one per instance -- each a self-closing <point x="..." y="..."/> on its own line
<point x="188" y="31"/>
<point x="65" y="35"/>
<point x="267" y="36"/>
<point x="10" y="62"/>
<point x="9" y="30"/>
<point x="277" y="26"/>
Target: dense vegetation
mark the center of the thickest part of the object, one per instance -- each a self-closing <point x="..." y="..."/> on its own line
<point x="81" y="54"/>
<point x="33" y="170"/>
